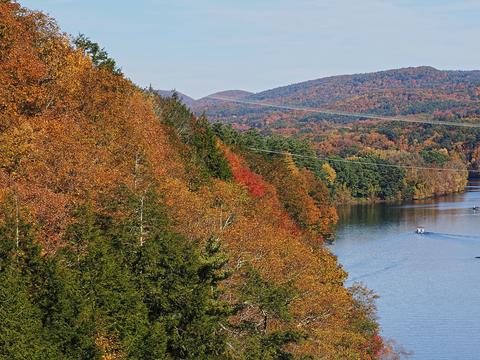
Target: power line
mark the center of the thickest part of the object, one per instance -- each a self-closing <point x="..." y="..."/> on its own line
<point x="346" y="113"/>
<point x="359" y="115"/>
<point x="361" y="162"/>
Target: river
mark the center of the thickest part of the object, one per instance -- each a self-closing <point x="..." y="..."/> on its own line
<point x="429" y="284"/>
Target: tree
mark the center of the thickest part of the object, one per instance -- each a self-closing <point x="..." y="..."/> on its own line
<point x="98" y="55"/>
<point x="40" y="304"/>
<point x="199" y="143"/>
<point x="162" y="291"/>
<point x="267" y="302"/>
<point x="108" y="273"/>
<point x="179" y="287"/>
<point x="21" y="333"/>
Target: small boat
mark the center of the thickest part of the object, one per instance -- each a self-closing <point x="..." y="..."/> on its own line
<point x="420" y="230"/>
<point x="476" y="208"/>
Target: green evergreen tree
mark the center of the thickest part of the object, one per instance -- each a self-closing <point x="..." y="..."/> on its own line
<point x="198" y="141"/>
<point x="205" y="143"/>
<point x="114" y="305"/>
<point x="21" y="333"/>
<point x="99" y="56"/>
<point x="155" y="292"/>
<point x="179" y="285"/>
<point x="271" y="301"/>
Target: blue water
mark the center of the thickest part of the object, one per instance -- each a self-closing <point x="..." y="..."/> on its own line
<point x="429" y="285"/>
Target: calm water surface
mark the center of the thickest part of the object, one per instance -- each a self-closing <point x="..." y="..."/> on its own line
<point x="429" y="285"/>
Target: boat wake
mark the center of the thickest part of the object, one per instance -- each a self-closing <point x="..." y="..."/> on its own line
<point x="452" y="236"/>
<point x="376" y="272"/>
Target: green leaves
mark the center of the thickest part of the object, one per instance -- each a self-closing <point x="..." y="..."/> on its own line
<point x="253" y="141"/>
<point x="205" y="143"/>
<point x="109" y="294"/>
<point x="163" y="290"/>
<point x="21" y="333"/>
<point x="98" y="55"/>
<point x="434" y="157"/>
<point x="196" y="139"/>
<point x="40" y="304"/>
<point x="369" y="177"/>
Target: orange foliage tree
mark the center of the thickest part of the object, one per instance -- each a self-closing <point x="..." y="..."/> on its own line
<point x="73" y="133"/>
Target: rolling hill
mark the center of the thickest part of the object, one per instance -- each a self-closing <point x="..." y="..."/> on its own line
<point x="209" y="101"/>
<point x="206" y="101"/>
<point x="184" y="99"/>
<point x="416" y="91"/>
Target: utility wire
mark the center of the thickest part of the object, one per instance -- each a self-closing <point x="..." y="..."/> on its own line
<point x="360" y="162"/>
<point x="345" y="113"/>
<point x="358" y="115"/>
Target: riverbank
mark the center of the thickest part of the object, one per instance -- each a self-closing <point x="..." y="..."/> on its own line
<point x="434" y="192"/>
<point x="393" y="201"/>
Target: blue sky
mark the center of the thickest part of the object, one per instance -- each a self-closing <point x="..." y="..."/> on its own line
<point x="203" y="46"/>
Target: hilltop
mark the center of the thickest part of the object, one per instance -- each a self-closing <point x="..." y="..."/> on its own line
<point x="206" y="101"/>
<point x="184" y="99"/>
<point x="408" y="91"/>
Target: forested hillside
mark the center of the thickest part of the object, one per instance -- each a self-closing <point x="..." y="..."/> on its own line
<point x="346" y="142"/>
<point x="129" y="230"/>
<point x="420" y="91"/>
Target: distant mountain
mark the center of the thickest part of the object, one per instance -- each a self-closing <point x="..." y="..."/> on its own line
<point x="185" y="99"/>
<point x="206" y="101"/>
<point x="408" y="91"/>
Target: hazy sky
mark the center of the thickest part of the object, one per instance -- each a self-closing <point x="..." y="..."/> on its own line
<point x="203" y="46"/>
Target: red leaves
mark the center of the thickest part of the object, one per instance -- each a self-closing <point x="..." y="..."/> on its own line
<point x="252" y="181"/>
<point x="243" y="175"/>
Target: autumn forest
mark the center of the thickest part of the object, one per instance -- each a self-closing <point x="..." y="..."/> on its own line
<point x="135" y="227"/>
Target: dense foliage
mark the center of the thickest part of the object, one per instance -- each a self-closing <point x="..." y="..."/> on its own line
<point x="99" y="56"/>
<point x="128" y="230"/>
<point x="422" y="93"/>
<point x="434" y="159"/>
<point x="302" y="182"/>
<point x="369" y="177"/>
<point x="356" y="175"/>
<point x="108" y="294"/>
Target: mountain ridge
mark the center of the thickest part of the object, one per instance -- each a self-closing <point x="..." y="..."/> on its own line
<point x="404" y="91"/>
<point x="192" y="103"/>
<point x="412" y="91"/>
<point x="184" y="99"/>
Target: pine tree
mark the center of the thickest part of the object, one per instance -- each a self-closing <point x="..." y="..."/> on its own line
<point x="180" y="289"/>
<point x="21" y="332"/>
<point x="114" y="304"/>
<point x="150" y="299"/>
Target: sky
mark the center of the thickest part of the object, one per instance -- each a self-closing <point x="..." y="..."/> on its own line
<point x="199" y="47"/>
